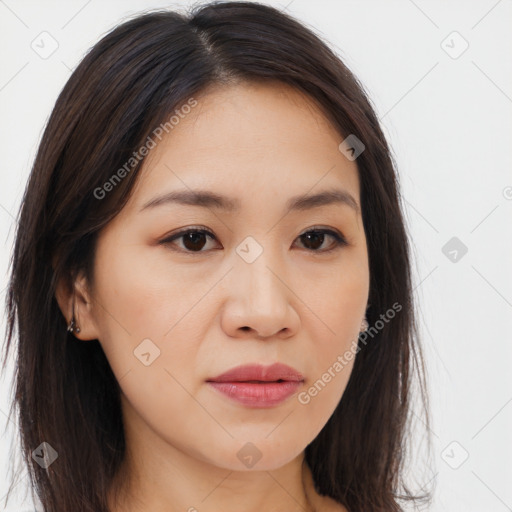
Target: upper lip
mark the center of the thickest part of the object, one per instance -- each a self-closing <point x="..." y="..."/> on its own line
<point x="258" y="372"/>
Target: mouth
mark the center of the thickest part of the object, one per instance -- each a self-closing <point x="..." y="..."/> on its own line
<point x="258" y="386"/>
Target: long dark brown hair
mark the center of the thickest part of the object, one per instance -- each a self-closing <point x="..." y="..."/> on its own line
<point x="129" y="83"/>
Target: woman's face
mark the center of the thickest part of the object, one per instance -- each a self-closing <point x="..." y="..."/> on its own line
<point x="256" y="286"/>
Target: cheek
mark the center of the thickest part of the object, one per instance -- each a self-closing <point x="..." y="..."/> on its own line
<point x="322" y="394"/>
<point x="148" y="336"/>
<point x="333" y="351"/>
<point x="144" y="311"/>
<point x="335" y="310"/>
<point x="141" y="290"/>
<point x="337" y="304"/>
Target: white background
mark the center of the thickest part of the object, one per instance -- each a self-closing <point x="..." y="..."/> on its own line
<point x="449" y="123"/>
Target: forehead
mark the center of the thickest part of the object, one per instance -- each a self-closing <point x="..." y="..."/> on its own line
<point x="257" y="140"/>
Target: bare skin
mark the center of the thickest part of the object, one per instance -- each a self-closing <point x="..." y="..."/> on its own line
<point x="209" y="311"/>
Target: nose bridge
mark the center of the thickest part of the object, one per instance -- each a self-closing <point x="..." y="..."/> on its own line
<point x="261" y="295"/>
<point x="263" y="288"/>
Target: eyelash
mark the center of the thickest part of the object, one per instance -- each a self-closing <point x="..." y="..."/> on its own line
<point x="339" y="239"/>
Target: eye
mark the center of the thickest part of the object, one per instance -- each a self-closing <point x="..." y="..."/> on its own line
<point x="314" y="238"/>
<point x="195" y="239"/>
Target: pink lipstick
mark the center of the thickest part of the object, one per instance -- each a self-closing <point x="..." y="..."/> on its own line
<point x="259" y="386"/>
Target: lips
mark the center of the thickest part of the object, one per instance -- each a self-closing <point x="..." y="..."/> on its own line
<point x="260" y="373"/>
<point x="257" y="385"/>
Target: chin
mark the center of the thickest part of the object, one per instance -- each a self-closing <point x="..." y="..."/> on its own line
<point x="262" y="454"/>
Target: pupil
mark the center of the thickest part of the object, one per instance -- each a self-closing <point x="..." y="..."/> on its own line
<point x="194" y="238"/>
<point x="313" y="237"/>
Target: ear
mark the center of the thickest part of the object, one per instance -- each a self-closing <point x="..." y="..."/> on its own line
<point x="77" y="292"/>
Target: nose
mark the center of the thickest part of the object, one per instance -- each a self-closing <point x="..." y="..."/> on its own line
<point x="258" y="302"/>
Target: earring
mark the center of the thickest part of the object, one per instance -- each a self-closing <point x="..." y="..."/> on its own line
<point x="364" y="325"/>
<point x="72" y="326"/>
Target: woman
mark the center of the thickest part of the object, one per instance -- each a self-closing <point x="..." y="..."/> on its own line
<point x="211" y="278"/>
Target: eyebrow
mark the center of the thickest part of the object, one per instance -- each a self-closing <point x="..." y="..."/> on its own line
<point x="207" y="199"/>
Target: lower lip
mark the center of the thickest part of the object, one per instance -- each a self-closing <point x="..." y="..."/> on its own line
<point x="264" y="394"/>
